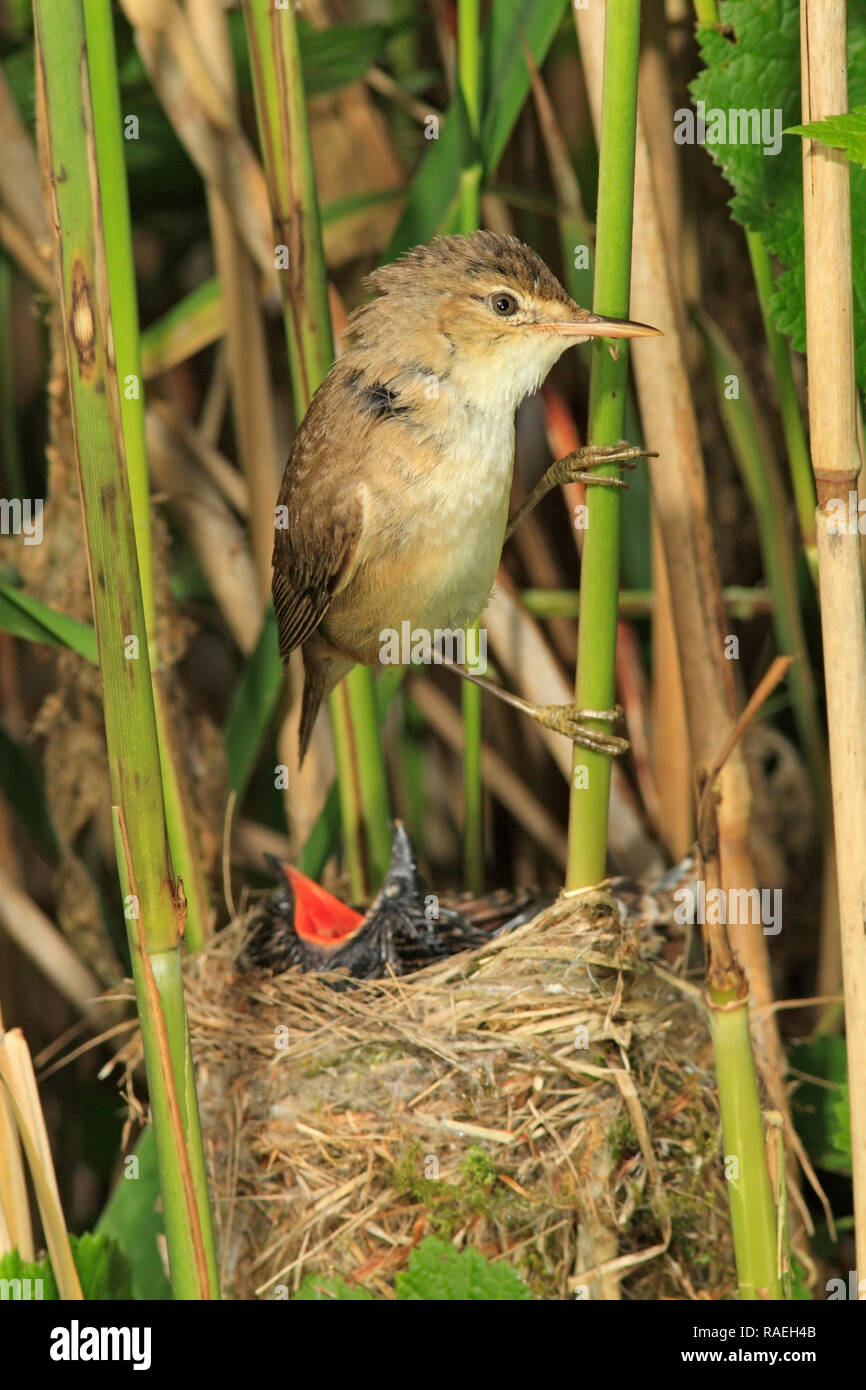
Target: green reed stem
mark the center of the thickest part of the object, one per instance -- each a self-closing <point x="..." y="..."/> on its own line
<point x="108" y="125"/>
<point x="153" y="897"/>
<point x="596" y="645"/>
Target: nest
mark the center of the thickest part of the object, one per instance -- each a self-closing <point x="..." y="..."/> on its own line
<point x="547" y="1099"/>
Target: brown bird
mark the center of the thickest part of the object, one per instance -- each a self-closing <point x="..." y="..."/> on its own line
<point x="393" y="507"/>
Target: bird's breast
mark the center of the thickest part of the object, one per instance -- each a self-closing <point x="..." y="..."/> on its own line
<point x="433" y="533"/>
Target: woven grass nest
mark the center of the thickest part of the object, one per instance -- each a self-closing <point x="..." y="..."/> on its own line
<point x="547" y="1098"/>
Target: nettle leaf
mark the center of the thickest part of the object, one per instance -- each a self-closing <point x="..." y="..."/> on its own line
<point x="103" y="1268"/>
<point x="103" y="1271"/>
<point x="846" y="133"/>
<point x="439" y="1273"/>
<point x="755" y="65"/>
<point x="27" y="1280"/>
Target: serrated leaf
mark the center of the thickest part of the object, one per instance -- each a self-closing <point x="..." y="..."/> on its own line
<point x="753" y="63"/>
<point x="12" y="1267"/>
<point x="846" y="133"/>
<point x="439" y="1273"/>
<point x="103" y="1269"/>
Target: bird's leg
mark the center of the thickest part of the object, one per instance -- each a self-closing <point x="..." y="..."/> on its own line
<point x="563" y="719"/>
<point x="576" y="468"/>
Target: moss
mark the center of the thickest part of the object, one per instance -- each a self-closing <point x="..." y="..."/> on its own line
<point x="362" y="1057"/>
<point x="449" y="1204"/>
<point x="478" y="1169"/>
<point x="621" y="1138"/>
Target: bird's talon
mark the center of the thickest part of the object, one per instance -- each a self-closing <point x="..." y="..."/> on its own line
<point x="593" y="480"/>
<point x="568" y="720"/>
<point x="576" y="467"/>
<point x="613" y="716"/>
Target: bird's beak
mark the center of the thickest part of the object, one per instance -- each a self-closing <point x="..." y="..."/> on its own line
<point x="319" y="917"/>
<point x="597" y="326"/>
<point x="403" y="856"/>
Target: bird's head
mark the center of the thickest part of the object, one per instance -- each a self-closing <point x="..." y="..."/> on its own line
<point x="403" y="884"/>
<point x="486" y="310"/>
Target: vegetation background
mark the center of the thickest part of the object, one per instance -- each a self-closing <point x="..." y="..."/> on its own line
<point x="224" y="139"/>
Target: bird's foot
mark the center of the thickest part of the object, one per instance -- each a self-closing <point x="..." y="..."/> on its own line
<point x="577" y="467"/>
<point x="570" y="721"/>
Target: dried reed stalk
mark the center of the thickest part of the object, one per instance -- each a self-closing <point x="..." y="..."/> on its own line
<point x="836" y="463"/>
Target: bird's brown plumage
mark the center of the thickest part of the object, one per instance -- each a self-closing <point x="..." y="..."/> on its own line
<point x="394" y="500"/>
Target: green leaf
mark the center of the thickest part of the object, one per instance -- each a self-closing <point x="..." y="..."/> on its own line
<point x="322" y="838"/>
<point x="439" y="1273"/>
<point x="103" y="1270"/>
<point x="506" y="76"/>
<point x="336" y="1290"/>
<point x="12" y="1267"/>
<point x="820" y="1107"/>
<point x="753" y="63"/>
<point x="26" y="617"/>
<point x="132" y="1217"/>
<point x="847" y="133"/>
<point x="341" y="54"/>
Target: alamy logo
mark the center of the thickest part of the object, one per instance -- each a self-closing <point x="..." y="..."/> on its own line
<point x="22" y="518"/>
<point x="439" y="647"/>
<point x="736" y="907"/>
<point x="20" y="1289"/>
<point x="737" y="126"/>
<point x="77" y="1343"/>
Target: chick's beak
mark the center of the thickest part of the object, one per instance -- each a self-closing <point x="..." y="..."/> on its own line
<point x="588" y="325"/>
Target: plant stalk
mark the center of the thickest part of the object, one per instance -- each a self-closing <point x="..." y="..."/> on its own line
<point x="596" y="644"/>
<point x="153" y="896"/>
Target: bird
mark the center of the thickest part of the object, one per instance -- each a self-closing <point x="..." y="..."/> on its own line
<point x="302" y="924"/>
<point x="393" y="507"/>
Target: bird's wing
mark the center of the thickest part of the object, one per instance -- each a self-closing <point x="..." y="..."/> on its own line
<point x="270" y="941"/>
<point x="371" y="951"/>
<point x="313" y="559"/>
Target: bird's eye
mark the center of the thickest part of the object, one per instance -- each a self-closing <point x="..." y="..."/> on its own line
<point x="504" y="305"/>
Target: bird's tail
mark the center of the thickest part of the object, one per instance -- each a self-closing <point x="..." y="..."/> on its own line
<point x="314" y="690"/>
<point x="322" y="671"/>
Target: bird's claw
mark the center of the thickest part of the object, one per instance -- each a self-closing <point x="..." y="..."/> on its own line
<point x="569" y="721"/>
<point x="576" y="467"/>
